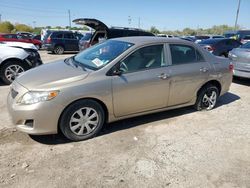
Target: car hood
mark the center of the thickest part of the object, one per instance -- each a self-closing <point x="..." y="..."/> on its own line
<point x="7" y="52"/>
<point x="51" y="75"/>
<point x="19" y="45"/>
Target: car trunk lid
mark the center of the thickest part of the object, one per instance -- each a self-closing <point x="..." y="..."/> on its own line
<point x="90" y="22"/>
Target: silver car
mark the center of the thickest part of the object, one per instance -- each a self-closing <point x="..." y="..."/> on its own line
<point x="241" y="60"/>
<point x="114" y="80"/>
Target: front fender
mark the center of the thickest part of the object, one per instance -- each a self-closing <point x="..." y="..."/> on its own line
<point x="12" y="53"/>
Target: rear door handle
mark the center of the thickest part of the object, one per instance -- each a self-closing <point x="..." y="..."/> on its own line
<point x="163" y="76"/>
<point x="203" y="69"/>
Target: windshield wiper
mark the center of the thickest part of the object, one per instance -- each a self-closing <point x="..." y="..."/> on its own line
<point x="77" y="63"/>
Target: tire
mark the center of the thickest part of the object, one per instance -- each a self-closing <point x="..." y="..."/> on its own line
<point x="10" y="70"/>
<point x="207" y="98"/>
<point x="75" y="126"/>
<point x="223" y="55"/>
<point x="58" y="50"/>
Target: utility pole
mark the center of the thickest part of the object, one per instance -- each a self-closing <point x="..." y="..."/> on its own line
<point x="139" y="23"/>
<point x="129" y="20"/>
<point x="0" y="18"/>
<point x="237" y="15"/>
<point x="69" y="19"/>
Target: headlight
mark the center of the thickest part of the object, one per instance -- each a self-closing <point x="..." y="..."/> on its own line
<point x="33" y="97"/>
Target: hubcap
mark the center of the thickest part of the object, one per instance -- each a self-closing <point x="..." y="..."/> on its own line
<point x="12" y="72"/>
<point x="84" y="121"/>
<point x="59" y="50"/>
<point x="209" y="100"/>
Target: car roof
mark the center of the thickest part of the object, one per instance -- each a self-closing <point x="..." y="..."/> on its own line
<point x="140" y="40"/>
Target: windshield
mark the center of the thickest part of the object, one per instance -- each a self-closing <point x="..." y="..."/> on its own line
<point x="246" y="45"/>
<point x="101" y="54"/>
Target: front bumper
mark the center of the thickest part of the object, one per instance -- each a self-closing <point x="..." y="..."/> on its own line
<point x="48" y="47"/>
<point x="36" y="119"/>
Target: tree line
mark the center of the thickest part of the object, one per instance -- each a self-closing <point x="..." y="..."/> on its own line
<point x="8" y="27"/>
<point x="215" y="30"/>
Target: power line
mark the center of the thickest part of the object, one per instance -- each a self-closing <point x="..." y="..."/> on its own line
<point x="33" y="9"/>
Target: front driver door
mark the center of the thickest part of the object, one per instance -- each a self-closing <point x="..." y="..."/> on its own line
<point x="143" y="84"/>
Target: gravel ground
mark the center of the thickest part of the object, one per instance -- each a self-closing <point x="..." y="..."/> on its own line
<point x="177" y="148"/>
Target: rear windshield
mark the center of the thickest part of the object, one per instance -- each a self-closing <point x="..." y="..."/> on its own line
<point x="246" y="45"/>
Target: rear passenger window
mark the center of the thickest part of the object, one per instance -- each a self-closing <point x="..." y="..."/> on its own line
<point x="57" y="35"/>
<point x="182" y="54"/>
<point x="69" y="36"/>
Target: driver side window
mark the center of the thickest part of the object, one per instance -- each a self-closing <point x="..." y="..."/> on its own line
<point x="144" y="58"/>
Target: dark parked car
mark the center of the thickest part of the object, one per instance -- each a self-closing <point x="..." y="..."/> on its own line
<point x="59" y="41"/>
<point x="103" y="32"/>
<point x="237" y="35"/>
<point x="85" y="41"/>
<point x="220" y="47"/>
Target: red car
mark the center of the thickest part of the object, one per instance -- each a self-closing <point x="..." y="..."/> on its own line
<point x="20" y="38"/>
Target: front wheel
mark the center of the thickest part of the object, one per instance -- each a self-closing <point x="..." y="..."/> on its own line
<point x="207" y="98"/>
<point x="82" y="120"/>
<point x="10" y="70"/>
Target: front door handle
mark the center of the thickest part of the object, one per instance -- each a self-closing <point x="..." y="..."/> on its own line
<point x="203" y="69"/>
<point x="163" y="76"/>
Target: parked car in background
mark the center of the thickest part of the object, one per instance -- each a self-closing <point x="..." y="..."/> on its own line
<point x="219" y="47"/>
<point x="114" y="80"/>
<point x="84" y="42"/>
<point x="60" y="41"/>
<point x="229" y="34"/>
<point x="15" y="58"/>
<point x="241" y="60"/>
<point x="27" y="34"/>
<point x="103" y="32"/>
<point x="20" y="38"/>
<point x="237" y="35"/>
<point x="200" y="38"/>
<point x="165" y="35"/>
<point x="37" y="37"/>
<point x="245" y="39"/>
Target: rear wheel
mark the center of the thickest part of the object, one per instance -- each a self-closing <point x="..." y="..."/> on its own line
<point x="82" y="120"/>
<point x="10" y="70"/>
<point x="59" y="50"/>
<point x="207" y="98"/>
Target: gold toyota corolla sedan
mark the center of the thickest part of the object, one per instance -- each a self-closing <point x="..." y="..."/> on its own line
<point x="116" y="79"/>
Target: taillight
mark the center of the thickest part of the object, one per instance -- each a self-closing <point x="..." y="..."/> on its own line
<point x="48" y="40"/>
<point x="231" y="67"/>
<point x="210" y="48"/>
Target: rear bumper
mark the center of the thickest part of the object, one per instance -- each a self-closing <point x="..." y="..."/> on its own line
<point x="48" y="47"/>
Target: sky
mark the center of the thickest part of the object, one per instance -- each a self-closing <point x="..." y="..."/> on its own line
<point x="163" y="14"/>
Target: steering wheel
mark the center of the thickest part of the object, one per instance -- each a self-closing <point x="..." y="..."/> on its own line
<point x="123" y="67"/>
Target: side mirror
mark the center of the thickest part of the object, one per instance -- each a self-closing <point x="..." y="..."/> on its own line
<point x="117" y="72"/>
